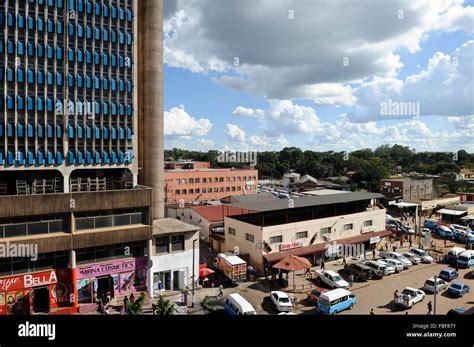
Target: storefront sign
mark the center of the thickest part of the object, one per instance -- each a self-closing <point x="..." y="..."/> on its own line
<point x="115" y="267"/>
<point x="290" y="245"/>
<point x="374" y="239"/>
<point x="39" y="279"/>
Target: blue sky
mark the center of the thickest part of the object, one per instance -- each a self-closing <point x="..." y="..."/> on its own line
<point x="291" y="88"/>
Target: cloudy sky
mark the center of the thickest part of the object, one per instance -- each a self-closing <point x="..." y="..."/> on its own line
<point x="319" y="74"/>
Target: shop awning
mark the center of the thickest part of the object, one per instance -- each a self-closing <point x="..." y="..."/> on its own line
<point x="468" y="217"/>
<point x="451" y="212"/>
<point x="320" y="247"/>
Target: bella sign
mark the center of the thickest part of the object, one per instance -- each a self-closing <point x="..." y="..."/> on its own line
<point x="290" y="245"/>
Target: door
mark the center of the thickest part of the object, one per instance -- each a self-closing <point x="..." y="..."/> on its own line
<point x="41" y="300"/>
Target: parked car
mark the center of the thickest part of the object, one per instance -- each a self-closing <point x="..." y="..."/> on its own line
<point x="429" y="223"/>
<point x="453" y="253"/>
<point x="397" y="256"/>
<point x="430" y="286"/>
<point x="458" y="288"/>
<point x="378" y="268"/>
<point x="448" y="274"/>
<point x="314" y="295"/>
<point x="409" y="297"/>
<point x="331" y="279"/>
<point x="444" y="231"/>
<point x="407" y="229"/>
<point x="360" y="271"/>
<point x="389" y="269"/>
<point x="412" y="257"/>
<point x="425" y="257"/>
<point x="398" y="265"/>
<point x="460" y="311"/>
<point x="281" y="300"/>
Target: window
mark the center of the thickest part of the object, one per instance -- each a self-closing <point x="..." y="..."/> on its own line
<point x="198" y="180"/>
<point x="162" y="245"/>
<point x="221" y="179"/>
<point x="209" y="190"/>
<point x="191" y="180"/>
<point x="178" y="192"/>
<point x="177" y="243"/>
<point x="326" y="230"/>
<point x="204" y="180"/>
<point x="302" y="235"/>
<point x="249" y="237"/>
<point x="368" y="223"/>
<point x="183" y="181"/>
<point x="176" y="181"/>
<point x="275" y="239"/>
<point x="191" y="191"/>
<point x="231" y="231"/>
<point x="348" y="226"/>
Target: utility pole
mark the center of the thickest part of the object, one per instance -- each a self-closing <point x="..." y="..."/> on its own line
<point x="436" y="290"/>
<point x="194" y="279"/>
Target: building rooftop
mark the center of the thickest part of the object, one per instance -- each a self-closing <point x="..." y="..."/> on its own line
<point x="321" y="192"/>
<point x="217" y="213"/>
<point x="172" y="225"/>
<point x="307" y="201"/>
<point x="264" y="196"/>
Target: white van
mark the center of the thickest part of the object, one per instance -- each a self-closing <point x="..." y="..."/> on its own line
<point x="235" y="304"/>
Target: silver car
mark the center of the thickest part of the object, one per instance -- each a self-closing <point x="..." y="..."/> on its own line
<point x="412" y="257"/>
<point x="396" y="264"/>
<point x="389" y="269"/>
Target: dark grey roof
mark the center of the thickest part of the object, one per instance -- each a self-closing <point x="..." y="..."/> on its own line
<point x="249" y="198"/>
<point x="306" y="201"/>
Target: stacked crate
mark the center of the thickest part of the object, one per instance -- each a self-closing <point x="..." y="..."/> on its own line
<point x="22" y="187"/>
<point x="58" y="185"/>
<point x="38" y="186"/>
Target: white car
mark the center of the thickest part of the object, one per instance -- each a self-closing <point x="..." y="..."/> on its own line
<point x="412" y="257"/>
<point x="281" y="300"/>
<point x="331" y="279"/>
<point x="407" y="229"/>
<point x="425" y="232"/>
<point x="425" y="257"/>
<point x="397" y="264"/>
<point x="397" y="256"/>
<point x="430" y="285"/>
<point x="409" y="297"/>
<point x="389" y="269"/>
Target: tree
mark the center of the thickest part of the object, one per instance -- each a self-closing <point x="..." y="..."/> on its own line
<point x="163" y="307"/>
<point x="136" y="307"/>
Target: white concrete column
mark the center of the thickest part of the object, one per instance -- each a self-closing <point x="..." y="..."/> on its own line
<point x="135" y="179"/>
<point x="66" y="183"/>
<point x="150" y="270"/>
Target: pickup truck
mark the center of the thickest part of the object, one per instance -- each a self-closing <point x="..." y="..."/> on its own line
<point x="409" y="297"/>
<point x="331" y="279"/>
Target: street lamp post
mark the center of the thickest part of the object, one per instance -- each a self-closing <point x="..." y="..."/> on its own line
<point x="194" y="276"/>
<point x="435" y="291"/>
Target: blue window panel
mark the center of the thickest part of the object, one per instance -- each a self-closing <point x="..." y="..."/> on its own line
<point x="97" y="157"/>
<point x="113" y="60"/>
<point x="70" y="129"/>
<point x="31" y="23"/>
<point x="51" y="3"/>
<point x="40" y="77"/>
<point x="122" y="133"/>
<point x="20" y="75"/>
<point x="105" y="157"/>
<point x="97" y="58"/>
<point x="121" y="38"/>
<point x="97" y="9"/>
<point x="105" y="35"/>
<point x="121" y="61"/>
<point x="80" y="157"/>
<point x="97" y="33"/>
<point x="21" y="21"/>
<point x="10" y="102"/>
<point x="49" y="78"/>
<point x="122" y="109"/>
<point x="129" y="110"/>
<point x="50" y="52"/>
<point x="105" y="107"/>
<point x="106" y="11"/>
<point x="88" y="132"/>
<point x="71" y="160"/>
<point x="80" y="30"/>
<point x="113" y="84"/>
<point x="97" y="132"/>
<point x="105" y="84"/>
<point x="50" y="159"/>
<point x="59" y="53"/>
<point x="80" y="56"/>
<point x="49" y="105"/>
<point x="20" y="129"/>
<point x="20" y="103"/>
<point x="1" y="46"/>
<point x="59" y="27"/>
<point x="80" y="5"/>
<point x="105" y="59"/>
<point x="88" y="157"/>
<point x="40" y="130"/>
<point x="129" y="134"/>
<point x="121" y="14"/>
<point x="59" y="131"/>
<point x="129" y="157"/>
<point x="129" y="15"/>
<point x="114" y="12"/>
<point x="49" y="130"/>
<point x="88" y="32"/>
<point x="70" y="54"/>
<point x="59" y="3"/>
<point x="97" y="82"/>
<point x="106" y="133"/>
<point x="80" y="132"/>
<point x="40" y="50"/>
<point x="121" y="157"/>
<point x="89" y="7"/>
<point x="72" y="5"/>
<point x="10" y="158"/>
<point x="71" y="29"/>
<point x="129" y="39"/>
<point x="97" y="107"/>
<point x="40" y="24"/>
<point x="10" y="75"/>
<point x="21" y="158"/>
<point x="88" y="57"/>
<point x="88" y="82"/>
<point x="10" y="20"/>
<point x="114" y="36"/>
<point x="113" y="133"/>
<point x="9" y="130"/>
<point x="50" y="26"/>
<point x="31" y="49"/>
<point x="122" y="85"/>
<point x="59" y="158"/>
<point x="2" y="160"/>
<point x="21" y="48"/>
<point x="113" y="157"/>
<point x="40" y="104"/>
<point x="30" y="158"/>
<point x="70" y="80"/>
<point x="80" y="81"/>
<point x="10" y="47"/>
<point x="30" y="130"/>
<point x="30" y="103"/>
<point x="59" y="79"/>
<point x="114" y="108"/>
<point x="40" y="158"/>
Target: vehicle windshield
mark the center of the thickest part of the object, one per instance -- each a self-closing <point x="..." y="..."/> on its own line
<point x="430" y="283"/>
<point x="284" y="300"/>
<point x="337" y="278"/>
<point x="402" y="258"/>
<point x="422" y="253"/>
<point x="407" y="292"/>
<point x="456" y="286"/>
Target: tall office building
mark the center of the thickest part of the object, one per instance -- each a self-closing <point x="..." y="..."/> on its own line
<point x="73" y="129"/>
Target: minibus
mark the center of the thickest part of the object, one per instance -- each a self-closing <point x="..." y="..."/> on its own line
<point x="466" y="259"/>
<point x="336" y="300"/>
<point x="235" y="304"/>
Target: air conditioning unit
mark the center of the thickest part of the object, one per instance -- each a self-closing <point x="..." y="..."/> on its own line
<point x="368" y="229"/>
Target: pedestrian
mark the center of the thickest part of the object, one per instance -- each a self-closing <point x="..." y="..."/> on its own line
<point x="322" y="263"/>
<point x="386" y="246"/>
<point x="430" y="308"/>
<point x="132" y="298"/>
<point x="344" y="261"/>
<point x="410" y="242"/>
<point x="351" y="280"/>
<point x="445" y="241"/>
<point x="221" y="291"/>
<point x="401" y="242"/>
<point x="372" y="311"/>
<point x="394" y="248"/>
<point x="373" y="254"/>
<point x="457" y="266"/>
<point x="395" y="295"/>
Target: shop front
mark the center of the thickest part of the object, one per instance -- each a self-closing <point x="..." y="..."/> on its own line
<point x="119" y="277"/>
<point x="35" y="293"/>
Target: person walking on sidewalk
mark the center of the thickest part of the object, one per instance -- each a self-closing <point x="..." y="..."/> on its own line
<point x="322" y="263"/>
<point x="351" y="280"/>
<point x="221" y="292"/>
<point x="430" y="308"/>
